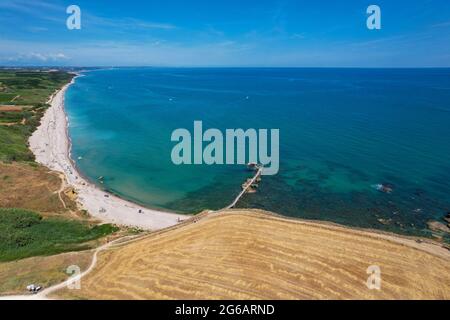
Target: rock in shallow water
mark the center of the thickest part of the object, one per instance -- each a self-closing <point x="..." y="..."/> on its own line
<point x="438" y="226"/>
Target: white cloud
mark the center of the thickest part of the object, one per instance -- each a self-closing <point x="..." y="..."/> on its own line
<point x="441" y="25"/>
<point x="31" y="57"/>
<point x="38" y="9"/>
<point x="298" y="36"/>
<point x="123" y="23"/>
<point x="57" y="13"/>
<point x="151" y="25"/>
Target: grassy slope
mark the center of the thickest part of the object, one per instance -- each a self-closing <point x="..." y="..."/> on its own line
<point x="41" y="189"/>
<point x="27" y="185"/>
<point x="44" y="271"/>
<point x="25" y="233"/>
<point x="32" y="89"/>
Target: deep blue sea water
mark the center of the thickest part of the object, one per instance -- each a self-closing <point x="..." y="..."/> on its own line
<point x="341" y="132"/>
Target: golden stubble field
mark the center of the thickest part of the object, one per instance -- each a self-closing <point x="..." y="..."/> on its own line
<point x="253" y="255"/>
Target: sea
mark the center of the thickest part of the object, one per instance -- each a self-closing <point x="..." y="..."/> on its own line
<point x="343" y="134"/>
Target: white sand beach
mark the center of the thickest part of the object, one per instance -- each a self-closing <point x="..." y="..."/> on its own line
<point x="51" y="146"/>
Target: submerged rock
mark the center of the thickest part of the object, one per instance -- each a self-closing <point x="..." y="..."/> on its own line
<point x="438" y="226"/>
<point x="447" y="217"/>
<point x="384" y="221"/>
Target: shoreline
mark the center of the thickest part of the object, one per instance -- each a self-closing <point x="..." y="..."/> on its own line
<point x="55" y="153"/>
<point x="51" y="145"/>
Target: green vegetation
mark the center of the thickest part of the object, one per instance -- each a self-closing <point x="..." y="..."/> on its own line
<point x="6" y="97"/>
<point x="30" y="89"/>
<point x="25" y="233"/>
<point x="13" y="144"/>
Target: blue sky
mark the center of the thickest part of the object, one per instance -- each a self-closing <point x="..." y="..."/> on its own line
<point x="415" y="33"/>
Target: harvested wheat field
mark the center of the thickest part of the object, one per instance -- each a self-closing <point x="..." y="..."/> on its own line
<point x="253" y="255"/>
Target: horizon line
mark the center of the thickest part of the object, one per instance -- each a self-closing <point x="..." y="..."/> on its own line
<point x="218" y="67"/>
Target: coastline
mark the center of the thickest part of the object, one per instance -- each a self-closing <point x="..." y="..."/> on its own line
<point x="51" y="145"/>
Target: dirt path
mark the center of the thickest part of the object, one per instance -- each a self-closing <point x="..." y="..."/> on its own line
<point x="61" y="189"/>
<point x="392" y="252"/>
<point x="15" y="98"/>
<point x="43" y="295"/>
<point x="244" y="254"/>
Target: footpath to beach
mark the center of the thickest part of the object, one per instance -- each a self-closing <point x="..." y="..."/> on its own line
<point x="51" y="146"/>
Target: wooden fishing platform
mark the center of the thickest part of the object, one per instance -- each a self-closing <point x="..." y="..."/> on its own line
<point x="247" y="186"/>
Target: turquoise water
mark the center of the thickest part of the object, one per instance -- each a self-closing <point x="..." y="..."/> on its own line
<point x="341" y="132"/>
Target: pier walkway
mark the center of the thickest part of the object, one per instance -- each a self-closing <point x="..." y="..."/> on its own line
<point x="244" y="190"/>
